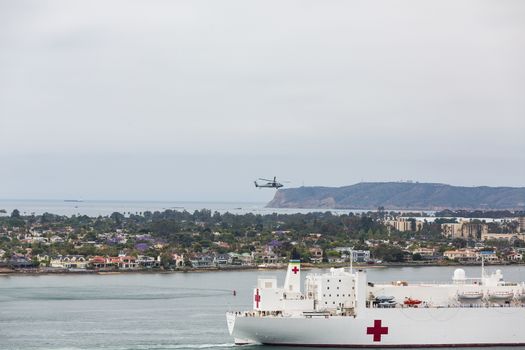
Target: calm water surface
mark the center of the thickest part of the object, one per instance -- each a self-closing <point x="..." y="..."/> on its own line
<point x="95" y="208"/>
<point x="146" y="311"/>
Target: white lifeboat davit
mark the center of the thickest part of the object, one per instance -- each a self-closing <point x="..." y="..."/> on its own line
<point x="520" y="296"/>
<point x="501" y="296"/>
<point x="470" y="295"/>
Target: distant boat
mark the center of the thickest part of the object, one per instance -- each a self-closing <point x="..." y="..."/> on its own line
<point x="73" y="200"/>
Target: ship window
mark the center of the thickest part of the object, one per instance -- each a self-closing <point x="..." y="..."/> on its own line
<point x="337" y="287"/>
<point x="324" y="295"/>
<point x="337" y="294"/>
<point x="327" y="280"/>
<point x="339" y="280"/>
<point x="325" y="302"/>
<point x="329" y="295"/>
<point x="327" y="287"/>
<point x="333" y="302"/>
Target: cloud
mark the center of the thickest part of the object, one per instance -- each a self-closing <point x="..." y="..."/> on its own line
<point x="296" y="80"/>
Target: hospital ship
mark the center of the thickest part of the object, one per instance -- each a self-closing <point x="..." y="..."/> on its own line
<point x="341" y="308"/>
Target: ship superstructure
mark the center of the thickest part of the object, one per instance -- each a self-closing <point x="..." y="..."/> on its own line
<point x="341" y="308"/>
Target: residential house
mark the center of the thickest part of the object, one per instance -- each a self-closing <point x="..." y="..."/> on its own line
<point x="222" y="259"/>
<point x="178" y="259"/>
<point x="427" y="253"/>
<point x="360" y="256"/>
<point x="246" y="259"/>
<point x="127" y="263"/>
<point x="100" y="262"/>
<point x="18" y="261"/>
<point x="69" y="262"/>
<point x="202" y="260"/>
<point x="461" y="255"/>
<point x="145" y="261"/>
<point x="316" y="255"/>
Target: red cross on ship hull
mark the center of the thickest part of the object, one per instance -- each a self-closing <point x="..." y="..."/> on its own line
<point x="257" y="298"/>
<point x="377" y="330"/>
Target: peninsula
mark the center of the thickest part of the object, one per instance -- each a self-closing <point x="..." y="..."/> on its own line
<point x="401" y="196"/>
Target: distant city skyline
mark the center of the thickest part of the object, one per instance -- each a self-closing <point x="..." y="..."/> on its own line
<point x="194" y="100"/>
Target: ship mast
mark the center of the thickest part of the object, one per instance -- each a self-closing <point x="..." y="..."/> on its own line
<point x="482" y="269"/>
<point x="352" y="260"/>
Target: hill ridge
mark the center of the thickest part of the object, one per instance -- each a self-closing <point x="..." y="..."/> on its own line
<point x="401" y="195"/>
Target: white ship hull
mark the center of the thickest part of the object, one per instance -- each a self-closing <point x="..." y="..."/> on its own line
<point x="341" y="309"/>
<point x="401" y="327"/>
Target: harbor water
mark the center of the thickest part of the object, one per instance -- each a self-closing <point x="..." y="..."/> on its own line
<point x="94" y="208"/>
<point x="134" y="311"/>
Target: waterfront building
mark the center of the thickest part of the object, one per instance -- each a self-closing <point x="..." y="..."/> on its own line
<point x="246" y="259"/>
<point x="360" y="256"/>
<point x="69" y="262"/>
<point x="127" y="263"/>
<point x="202" y="260"/>
<point x="148" y="261"/>
<point x="99" y="262"/>
<point x="464" y="229"/>
<point x="222" y="259"/>
<point x="461" y="254"/>
<point x="178" y="259"/>
<point x="426" y="253"/>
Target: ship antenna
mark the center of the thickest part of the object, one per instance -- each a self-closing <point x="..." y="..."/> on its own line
<point x="482" y="269"/>
<point x="352" y="260"/>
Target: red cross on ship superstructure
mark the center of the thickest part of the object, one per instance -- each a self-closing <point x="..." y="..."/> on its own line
<point x="295" y="270"/>
<point x="377" y="330"/>
<point x="257" y="298"/>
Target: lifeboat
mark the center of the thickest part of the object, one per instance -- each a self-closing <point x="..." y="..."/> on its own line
<point x="387" y="304"/>
<point x="383" y="298"/>
<point x="470" y="295"/>
<point x="385" y="301"/>
<point x="501" y="296"/>
<point x="412" y="302"/>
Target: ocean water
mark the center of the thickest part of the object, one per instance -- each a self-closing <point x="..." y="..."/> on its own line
<point x="147" y="311"/>
<point x="95" y="208"/>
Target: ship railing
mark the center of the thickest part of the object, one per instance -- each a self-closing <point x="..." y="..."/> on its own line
<point x="450" y="306"/>
<point x="265" y="314"/>
<point x="469" y="281"/>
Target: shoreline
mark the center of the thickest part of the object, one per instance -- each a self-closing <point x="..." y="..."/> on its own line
<point x="306" y="267"/>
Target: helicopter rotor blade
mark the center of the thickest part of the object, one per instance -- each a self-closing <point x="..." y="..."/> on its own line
<point x="265" y="179"/>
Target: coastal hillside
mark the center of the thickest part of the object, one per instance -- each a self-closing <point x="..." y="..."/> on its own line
<point x="400" y="195"/>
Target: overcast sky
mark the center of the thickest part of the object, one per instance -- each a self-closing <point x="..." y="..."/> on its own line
<point x="193" y="100"/>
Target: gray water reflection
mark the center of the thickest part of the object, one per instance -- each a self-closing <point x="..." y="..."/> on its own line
<point x="146" y="311"/>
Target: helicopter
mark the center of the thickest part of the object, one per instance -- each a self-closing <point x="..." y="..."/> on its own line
<point x="270" y="184"/>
